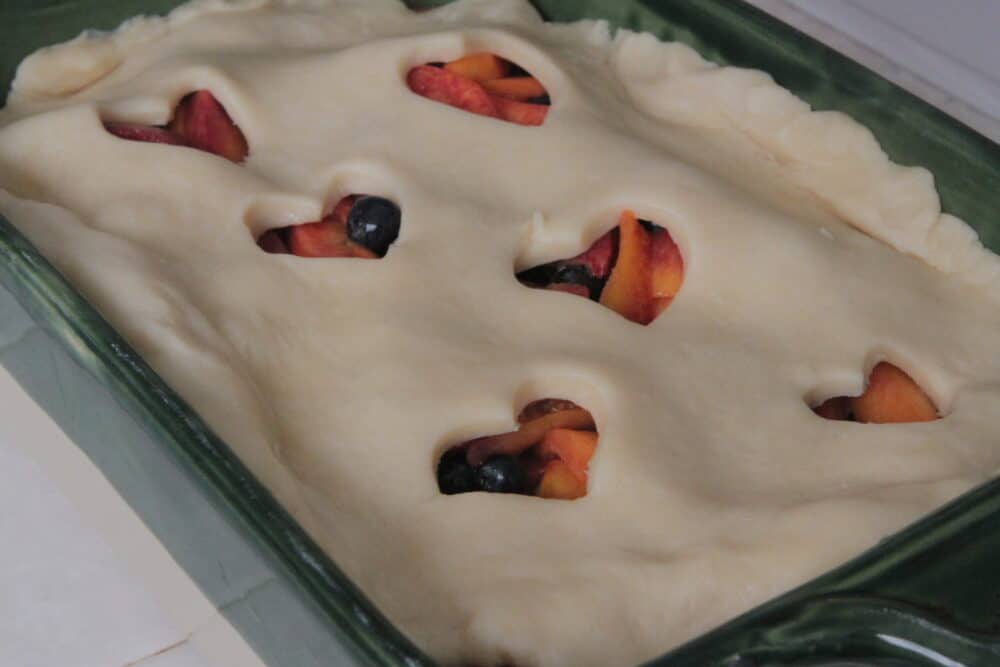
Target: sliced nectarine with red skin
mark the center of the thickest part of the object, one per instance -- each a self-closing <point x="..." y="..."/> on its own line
<point x="521" y="113"/>
<point x="146" y="133"/>
<point x="667" y="265"/>
<point x="324" y="239"/>
<point x="569" y="288"/>
<point x="892" y="397"/>
<point x="447" y="87"/>
<point x="628" y="290"/>
<point x="572" y="447"/>
<point x="542" y="407"/>
<point x="559" y="483"/>
<point x="600" y="256"/>
<point x="528" y="434"/>
<point x="519" y="88"/>
<point x="271" y="241"/>
<point x="837" y="408"/>
<point x="203" y="123"/>
<point x="479" y="67"/>
<point x="342" y="210"/>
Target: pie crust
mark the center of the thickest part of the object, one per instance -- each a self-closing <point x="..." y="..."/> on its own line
<point x="809" y="257"/>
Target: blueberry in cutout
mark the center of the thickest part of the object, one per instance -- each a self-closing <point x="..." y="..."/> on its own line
<point x="374" y="223"/>
<point x="578" y="274"/>
<point x="454" y="475"/>
<point x="502" y="474"/>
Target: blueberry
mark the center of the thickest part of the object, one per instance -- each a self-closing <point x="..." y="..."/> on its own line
<point x="538" y="276"/>
<point x="576" y="274"/>
<point x="454" y="474"/>
<point x="374" y="223"/>
<point x="502" y="474"/>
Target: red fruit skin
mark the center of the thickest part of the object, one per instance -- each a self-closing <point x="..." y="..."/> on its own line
<point x="570" y="288"/>
<point x="837" y="408"/>
<point x="452" y="89"/>
<point x="599" y="257"/>
<point x="324" y="239"/>
<point x="146" y="133"/>
<point x="522" y="113"/>
<point x="270" y="241"/>
<point x="204" y="124"/>
<point x="342" y="210"/>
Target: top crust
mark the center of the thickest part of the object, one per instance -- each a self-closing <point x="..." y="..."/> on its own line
<point x="339" y="383"/>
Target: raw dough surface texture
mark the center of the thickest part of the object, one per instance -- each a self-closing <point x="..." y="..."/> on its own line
<point x="809" y="257"/>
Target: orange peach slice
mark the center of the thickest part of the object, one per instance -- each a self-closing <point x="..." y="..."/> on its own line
<point x="521" y="113"/>
<point x="542" y="407"/>
<point x="559" y="482"/>
<point x="528" y="434"/>
<point x="668" y="265"/>
<point x="628" y="291"/>
<point x="892" y="397"/>
<point x="452" y="89"/>
<point x="520" y="88"/>
<point x="479" y="67"/>
<point x="574" y="448"/>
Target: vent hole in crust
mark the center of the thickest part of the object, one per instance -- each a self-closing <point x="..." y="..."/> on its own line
<point x="360" y="226"/>
<point x="636" y="270"/>
<point x="199" y="121"/>
<point x="891" y="396"/>
<point x="483" y="84"/>
<point x="547" y="456"/>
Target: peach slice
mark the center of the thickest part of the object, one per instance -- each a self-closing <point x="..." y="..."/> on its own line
<point x="837" y="408"/>
<point x="519" y="88"/>
<point x="522" y="113"/>
<point x="542" y="407"/>
<point x="324" y="239"/>
<point x="146" y="133"/>
<point x="452" y="89"/>
<point x="342" y="210"/>
<point x="599" y="257"/>
<point x="559" y="482"/>
<point x="528" y="434"/>
<point x="628" y="291"/>
<point x="271" y="241"/>
<point x="574" y="448"/>
<point x="204" y="124"/>
<point x="570" y="288"/>
<point x="479" y="67"/>
<point x="668" y="265"/>
<point x="892" y="397"/>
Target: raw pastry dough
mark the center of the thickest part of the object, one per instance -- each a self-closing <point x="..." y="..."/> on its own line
<point x="809" y="256"/>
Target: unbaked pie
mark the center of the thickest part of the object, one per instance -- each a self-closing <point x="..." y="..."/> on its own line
<point x="536" y="329"/>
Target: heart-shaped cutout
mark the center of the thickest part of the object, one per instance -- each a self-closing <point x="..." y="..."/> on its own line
<point x="891" y="396"/>
<point x="359" y="226"/>
<point x="636" y="270"/>
<point x="547" y="456"/>
<point x="483" y="84"/>
<point x="199" y="121"/>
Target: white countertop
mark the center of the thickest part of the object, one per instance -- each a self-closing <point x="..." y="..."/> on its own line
<point x="85" y="584"/>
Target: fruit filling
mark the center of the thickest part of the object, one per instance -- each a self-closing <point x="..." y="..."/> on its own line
<point x="484" y="84"/>
<point x="199" y="121"/>
<point x="635" y="269"/>
<point x="891" y="397"/>
<point x="547" y="456"/>
<point x="361" y="226"/>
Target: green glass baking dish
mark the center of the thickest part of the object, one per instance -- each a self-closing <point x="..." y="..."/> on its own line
<point x="929" y="595"/>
